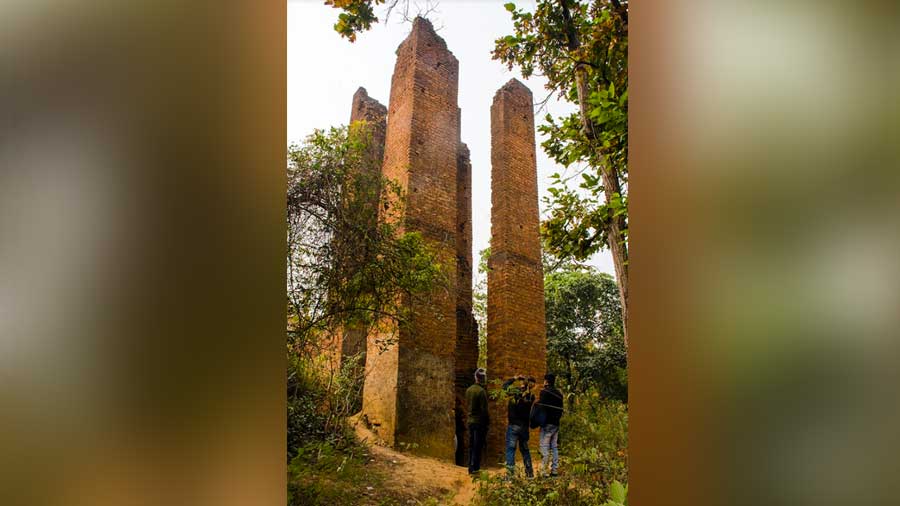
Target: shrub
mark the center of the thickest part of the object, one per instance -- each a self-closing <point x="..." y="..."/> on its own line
<point x="319" y="399"/>
<point x="325" y="460"/>
<point x="497" y="491"/>
<point x="595" y="441"/>
<point x="322" y="474"/>
<point x="593" y="461"/>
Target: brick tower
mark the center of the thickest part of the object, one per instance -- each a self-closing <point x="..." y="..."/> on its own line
<point x="409" y="390"/>
<point x="516" y="338"/>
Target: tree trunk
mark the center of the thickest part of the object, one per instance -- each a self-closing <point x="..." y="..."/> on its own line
<point x="611" y="183"/>
<point x="617" y="246"/>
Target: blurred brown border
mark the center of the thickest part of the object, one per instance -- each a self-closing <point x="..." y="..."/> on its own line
<point x="665" y="434"/>
<point x="147" y="141"/>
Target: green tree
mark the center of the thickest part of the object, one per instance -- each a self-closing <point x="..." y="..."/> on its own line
<point x="584" y="331"/>
<point x="347" y="261"/>
<point x="348" y="265"/>
<point x="581" y="48"/>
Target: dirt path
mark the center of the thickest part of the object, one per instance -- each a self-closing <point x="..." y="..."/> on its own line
<point x="421" y="476"/>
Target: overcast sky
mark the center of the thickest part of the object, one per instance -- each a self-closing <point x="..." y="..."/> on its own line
<point x="324" y="70"/>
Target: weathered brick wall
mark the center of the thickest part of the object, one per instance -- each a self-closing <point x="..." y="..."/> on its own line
<point x="380" y="389"/>
<point x="409" y="389"/>
<point x="516" y="339"/>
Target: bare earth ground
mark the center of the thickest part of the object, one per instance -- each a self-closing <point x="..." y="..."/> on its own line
<point x="419" y="476"/>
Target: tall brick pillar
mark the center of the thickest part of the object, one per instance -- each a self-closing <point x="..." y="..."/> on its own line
<point x="516" y="338"/>
<point x="352" y="339"/>
<point x="409" y="390"/>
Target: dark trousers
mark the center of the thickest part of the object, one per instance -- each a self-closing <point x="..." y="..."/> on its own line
<point x="476" y="446"/>
<point x="460" y="457"/>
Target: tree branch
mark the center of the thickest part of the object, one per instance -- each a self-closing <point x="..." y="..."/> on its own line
<point x="621" y="10"/>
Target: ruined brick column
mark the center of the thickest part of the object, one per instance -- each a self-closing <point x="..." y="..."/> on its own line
<point x="516" y="338"/>
<point x="409" y="390"/>
<point x="371" y="111"/>
<point x="351" y="341"/>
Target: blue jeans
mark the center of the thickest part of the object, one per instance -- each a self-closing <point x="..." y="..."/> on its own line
<point x="549" y="444"/>
<point x="516" y="434"/>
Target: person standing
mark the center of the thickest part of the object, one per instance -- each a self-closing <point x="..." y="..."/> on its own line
<point x="551" y="401"/>
<point x="478" y="419"/>
<point x="518" y="409"/>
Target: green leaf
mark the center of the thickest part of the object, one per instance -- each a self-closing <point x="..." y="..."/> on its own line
<point x="617" y="492"/>
<point x="511" y="7"/>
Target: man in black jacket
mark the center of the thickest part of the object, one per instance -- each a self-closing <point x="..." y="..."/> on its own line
<point x="551" y="401"/>
<point x="518" y="409"/>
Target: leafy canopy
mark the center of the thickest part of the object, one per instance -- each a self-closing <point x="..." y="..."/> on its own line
<point x="584" y="331"/>
<point x="357" y="16"/>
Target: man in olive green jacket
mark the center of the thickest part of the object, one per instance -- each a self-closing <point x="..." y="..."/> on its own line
<point x="478" y="420"/>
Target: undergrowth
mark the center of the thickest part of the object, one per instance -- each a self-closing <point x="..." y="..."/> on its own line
<point x="327" y="464"/>
<point x="593" y="445"/>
